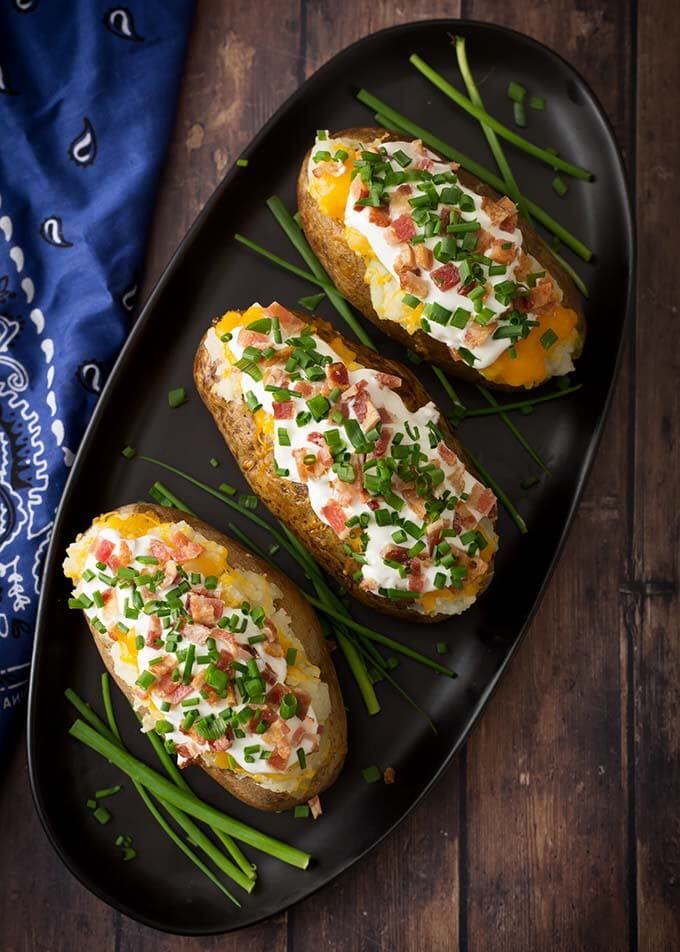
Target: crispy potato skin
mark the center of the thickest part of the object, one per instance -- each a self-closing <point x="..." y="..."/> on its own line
<point x="288" y="500"/>
<point x="346" y="267"/>
<point x="307" y="630"/>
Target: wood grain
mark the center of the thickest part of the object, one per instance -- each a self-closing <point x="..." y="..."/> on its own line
<point x="547" y="798"/>
<point x="654" y="603"/>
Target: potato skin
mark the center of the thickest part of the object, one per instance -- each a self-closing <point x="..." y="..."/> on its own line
<point x="288" y="500"/>
<point x="346" y="267"/>
<point x="307" y="630"/>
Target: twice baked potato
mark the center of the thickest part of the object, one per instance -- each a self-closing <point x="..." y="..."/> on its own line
<point x="346" y="447"/>
<point x="438" y="260"/>
<point x="215" y="650"/>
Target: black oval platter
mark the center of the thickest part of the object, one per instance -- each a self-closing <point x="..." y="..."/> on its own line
<point x="210" y="274"/>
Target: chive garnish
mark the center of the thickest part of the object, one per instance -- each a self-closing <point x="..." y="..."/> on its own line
<point x="242" y="163"/>
<point x="371" y="774"/>
<point x="301" y="811"/>
<point x="107" y="792"/>
<point x="177" y="397"/>
<point x="312" y="301"/>
<point x="129" y="452"/>
<point x="102" y="815"/>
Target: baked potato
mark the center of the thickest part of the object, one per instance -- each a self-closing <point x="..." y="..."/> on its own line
<point x="438" y="260"/>
<point x="215" y="650"/>
<point x="346" y="448"/>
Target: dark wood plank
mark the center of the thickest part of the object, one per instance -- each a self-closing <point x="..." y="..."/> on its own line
<point x="42" y="907"/>
<point x="654" y="605"/>
<point x="546" y="798"/>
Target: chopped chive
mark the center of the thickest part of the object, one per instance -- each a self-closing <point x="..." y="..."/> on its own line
<point x="410" y="300"/>
<point x="302" y="760"/>
<point x="129" y="452"/>
<point x="91" y="804"/>
<point x="102" y="815"/>
<point x="548" y="339"/>
<point x="516" y="91"/>
<point x="371" y="774"/>
<point x="301" y="811"/>
<point x="214" y="462"/>
<point x="312" y="301"/>
<point x="537" y="102"/>
<point x="227" y="489"/>
<point x="108" y="792"/>
<point x="560" y="186"/>
<point x="519" y="114"/>
<point x="242" y="163"/>
<point x="442" y="647"/>
<point x="177" y="397"/>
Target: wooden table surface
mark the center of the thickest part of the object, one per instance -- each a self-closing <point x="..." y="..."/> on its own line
<point x="558" y="826"/>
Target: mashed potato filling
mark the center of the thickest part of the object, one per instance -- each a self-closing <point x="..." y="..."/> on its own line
<point x="204" y="648"/>
<point x="444" y="260"/>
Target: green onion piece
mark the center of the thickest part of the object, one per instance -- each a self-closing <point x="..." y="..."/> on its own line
<point x="108" y="792"/>
<point x="442" y="647"/>
<point x="301" y="811"/>
<point x="177" y="397"/>
<point x="242" y="163"/>
<point x="371" y="774"/>
<point x="91" y="804"/>
<point x="302" y="759"/>
<point x="560" y="186"/>
<point x="289" y="706"/>
<point x="145" y="680"/>
<point x="519" y="115"/>
<point x="102" y="815"/>
<point x="548" y="338"/>
<point x="312" y="301"/>
<point x="516" y="91"/>
<point x="129" y="452"/>
<point x="188" y="663"/>
<point x="214" y="462"/>
<point x="537" y="102"/>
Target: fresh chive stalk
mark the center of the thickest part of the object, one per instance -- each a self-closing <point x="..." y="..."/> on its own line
<point x="521" y="404"/>
<point x="396" y="122"/>
<point x="282" y="263"/>
<point x="438" y="80"/>
<point x="516" y="432"/>
<point x="188" y="803"/>
<point x="500" y="493"/>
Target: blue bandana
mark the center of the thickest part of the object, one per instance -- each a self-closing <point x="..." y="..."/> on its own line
<point x="87" y="96"/>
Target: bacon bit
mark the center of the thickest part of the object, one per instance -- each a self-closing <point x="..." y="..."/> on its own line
<point x="476" y="567"/>
<point x="159" y="551"/>
<point x="181" y="691"/>
<point x="385" y="415"/>
<point x="395" y="553"/>
<point x="543" y="294"/>
<point x="154" y="632"/>
<point x="373" y="504"/>
<point x="304" y="388"/>
<point x="289" y="322"/>
<point x="463" y="518"/>
<point x="276" y="694"/>
<point x="199" y="634"/>
<point x="315" y="807"/>
<point x="404" y="228"/>
<point x="446" y="277"/>
<point x="248" y="338"/>
<point x="424" y="257"/>
<point x="270" y="630"/>
<point x="416" y="581"/>
<point x="276" y="377"/>
<point x="184" y="755"/>
<point x="508" y="224"/>
<point x="122" y="558"/>
<point x="523" y="269"/>
<point x="434" y="534"/>
<point x="414" y="500"/>
<point x="283" y="411"/>
<point x="388" y="380"/>
<point x="481" y="499"/>
<point x="205" y="610"/>
<point x="413" y="284"/>
<point x="102" y="550"/>
<point x="465" y="291"/>
<point x="358" y="191"/>
<point x="170" y="572"/>
<point x="502" y="255"/>
<point x="322" y="463"/>
<point x="424" y="163"/>
<point x="335" y="516"/>
<point x="184" y="548"/>
<point x="382" y="443"/>
<point x="501" y="211"/>
<point x="225" y="658"/>
<point x="240" y="652"/>
<point x="110" y="611"/>
<point x="379" y="216"/>
<point x="221" y="744"/>
<point x="389" y="775"/>
<point x="279" y="760"/>
<point x="477" y="334"/>
<point x="338" y="374"/>
<point x="399" y="201"/>
<point x="447" y="454"/>
<point x="405" y="260"/>
<point x="304" y="700"/>
<point x="364" y="409"/>
<point x="445" y="218"/>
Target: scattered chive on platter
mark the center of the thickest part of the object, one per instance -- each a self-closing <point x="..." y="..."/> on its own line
<point x="166" y="848"/>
